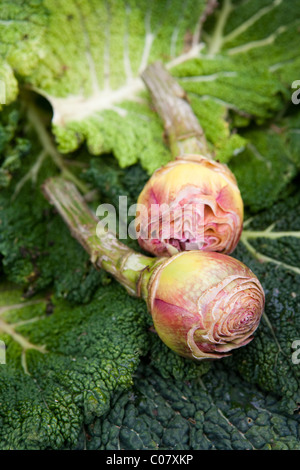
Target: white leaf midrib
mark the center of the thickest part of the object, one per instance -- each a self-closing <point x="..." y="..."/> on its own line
<point x="78" y="107"/>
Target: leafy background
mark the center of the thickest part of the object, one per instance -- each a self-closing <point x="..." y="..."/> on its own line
<point x="84" y="368"/>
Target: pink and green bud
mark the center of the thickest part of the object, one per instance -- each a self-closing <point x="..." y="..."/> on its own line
<point x="204" y="305"/>
<point x="190" y="205"/>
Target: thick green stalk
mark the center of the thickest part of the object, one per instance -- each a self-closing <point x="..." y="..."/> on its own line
<point x="130" y="268"/>
<point x="185" y="135"/>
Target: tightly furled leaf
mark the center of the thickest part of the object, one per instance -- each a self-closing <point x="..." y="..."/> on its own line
<point x="189" y="205"/>
<point x="204" y="305"/>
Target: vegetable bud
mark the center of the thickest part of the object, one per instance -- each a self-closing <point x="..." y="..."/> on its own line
<point x="190" y="205"/>
<point x="204" y="305"/>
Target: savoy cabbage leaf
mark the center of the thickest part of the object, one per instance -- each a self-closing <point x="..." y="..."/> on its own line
<point x="13" y="146"/>
<point x="219" y="411"/>
<point x="84" y="368"/>
<point x="64" y="363"/>
<point x="86" y="58"/>
<point x="270" y="161"/>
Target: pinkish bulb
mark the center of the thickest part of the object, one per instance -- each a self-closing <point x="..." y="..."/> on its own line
<point x="190" y="205"/>
<point x="204" y="305"/>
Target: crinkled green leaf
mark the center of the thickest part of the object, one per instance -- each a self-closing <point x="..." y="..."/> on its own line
<point x="220" y="412"/>
<point x="33" y="241"/>
<point x="13" y="146"/>
<point x="269" y="360"/>
<point x="85" y="57"/>
<point x="64" y="364"/>
<point x="269" y="162"/>
<point x="8" y="84"/>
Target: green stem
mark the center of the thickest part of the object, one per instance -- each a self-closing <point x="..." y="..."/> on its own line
<point x="21" y="340"/>
<point x="130" y="268"/>
<point x="217" y="38"/>
<point x="50" y="149"/>
<point x="267" y="234"/>
<point x="267" y="259"/>
<point x="31" y="174"/>
<point x="24" y="343"/>
<point x="7" y="308"/>
<point x="185" y="135"/>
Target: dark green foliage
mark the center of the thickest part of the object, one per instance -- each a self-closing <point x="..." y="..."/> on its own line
<point x="92" y="352"/>
<point x="267" y="361"/>
<point x="84" y="368"/>
<point x="112" y="182"/>
<point x="171" y="365"/>
<point x="13" y="146"/>
<point x="265" y="169"/>
<point x="220" y="412"/>
<point x="38" y="252"/>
